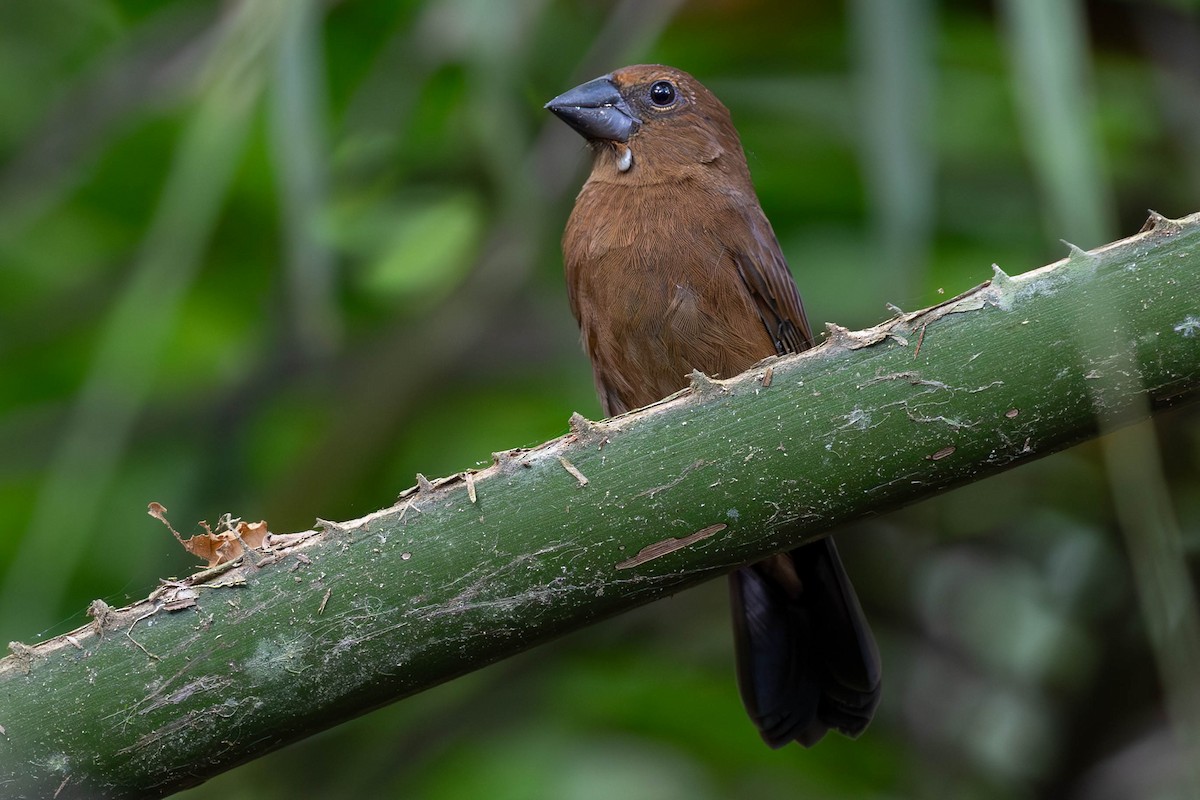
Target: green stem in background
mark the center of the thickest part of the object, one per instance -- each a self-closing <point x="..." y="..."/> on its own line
<point x="1054" y="104"/>
<point x="237" y="661"/>
<point x="894" y="53"/>
<point x="298" y="111"/>
<point x="1050" y="60"/>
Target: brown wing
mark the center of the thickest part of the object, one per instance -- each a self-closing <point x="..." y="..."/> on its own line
<point x="765" y="272"/>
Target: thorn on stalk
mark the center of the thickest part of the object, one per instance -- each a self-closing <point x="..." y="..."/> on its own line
<point x="1157" y="222"/>
<point x="423" y="484"/>
<point x="102" y="616"/>
<point x="703" y="385"/>
<point x="330" y="528"/>
<point x="1000" y="279"/>
<point x="841" y="338"/>
<point x="837" y="334"/>
<point x="23" y="654"/>
<point x="508" y="456"/>
<point x="581" y="425"/>
<point x="1078" y="255"/>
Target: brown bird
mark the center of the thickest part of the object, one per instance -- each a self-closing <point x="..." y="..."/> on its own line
<point x="672" y="266"/>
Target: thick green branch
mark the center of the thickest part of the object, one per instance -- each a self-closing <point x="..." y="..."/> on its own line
<point x="461" y="572"/>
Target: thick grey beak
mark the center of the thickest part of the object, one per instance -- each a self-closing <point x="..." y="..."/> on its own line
<point x="596" y="110"/>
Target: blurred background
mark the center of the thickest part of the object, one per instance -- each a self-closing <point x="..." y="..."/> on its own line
<point x="273" y="257"/>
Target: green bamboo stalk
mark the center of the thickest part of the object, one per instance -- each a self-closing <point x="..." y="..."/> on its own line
<point x="326" y="625"/>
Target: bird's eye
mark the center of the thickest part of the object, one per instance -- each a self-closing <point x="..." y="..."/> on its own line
<point x="662" y="93"/>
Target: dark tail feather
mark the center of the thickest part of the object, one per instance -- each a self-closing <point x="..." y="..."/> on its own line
<point x="807" y="661"/>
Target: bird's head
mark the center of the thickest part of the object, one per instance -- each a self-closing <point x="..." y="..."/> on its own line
<point x="649" y="119"/>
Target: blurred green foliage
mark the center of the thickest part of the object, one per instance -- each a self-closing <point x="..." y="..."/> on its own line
<point x="274" y="257"/>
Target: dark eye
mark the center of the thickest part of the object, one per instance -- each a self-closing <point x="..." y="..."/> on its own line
<point x="662" y="93"/>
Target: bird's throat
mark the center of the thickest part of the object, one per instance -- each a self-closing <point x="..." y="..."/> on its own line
<point x="624" y="156"/>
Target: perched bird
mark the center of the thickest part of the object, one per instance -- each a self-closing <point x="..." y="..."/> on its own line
<point x="672" y="266"/>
